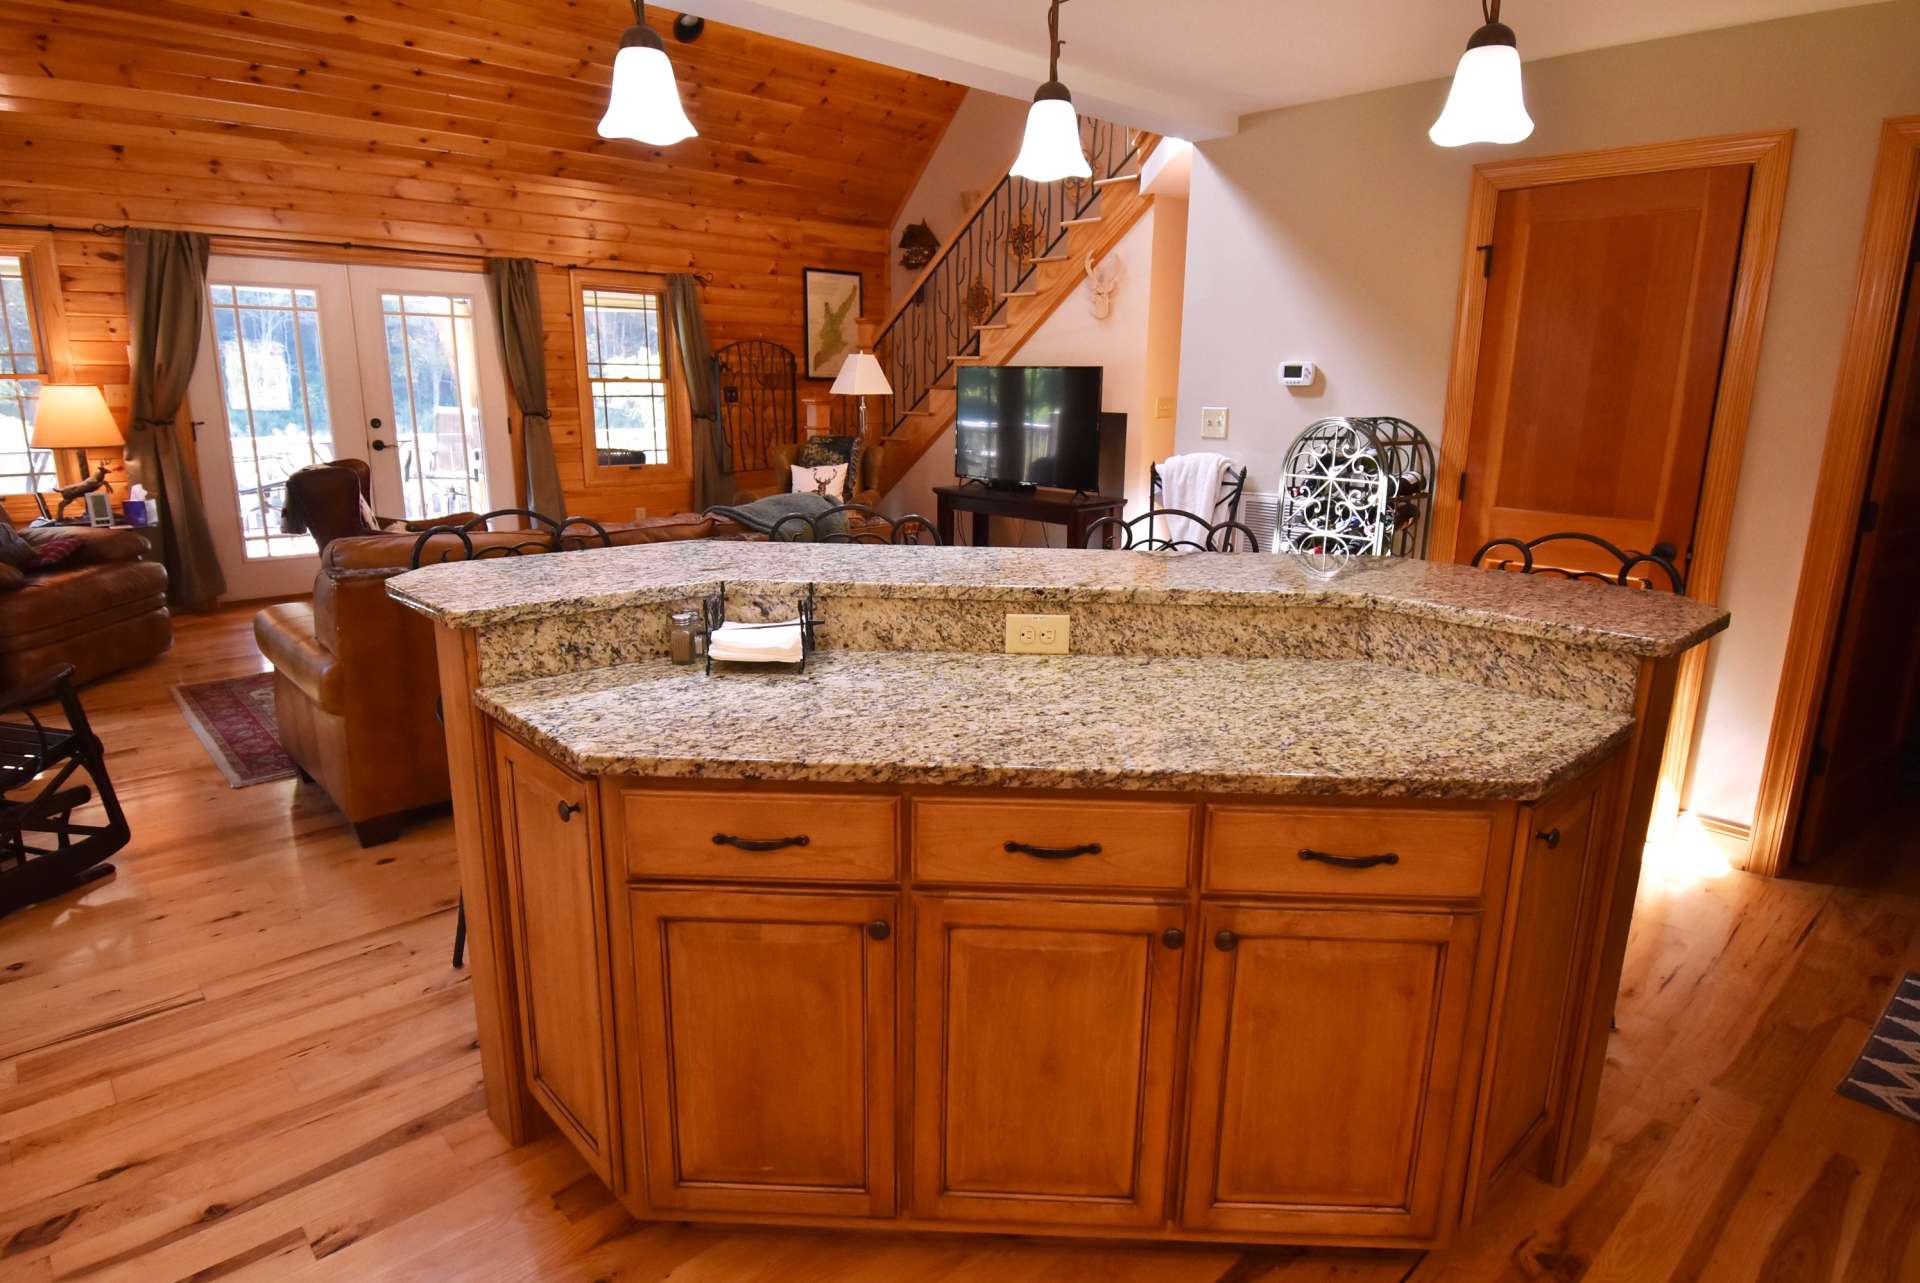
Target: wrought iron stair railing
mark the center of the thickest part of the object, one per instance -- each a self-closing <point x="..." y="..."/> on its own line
<point x="987" y="264"/>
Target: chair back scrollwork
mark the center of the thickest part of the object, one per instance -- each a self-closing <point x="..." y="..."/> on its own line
<point x="543" y="535"/>
<point x="871" y="528"/>
<point x="1659" y="562"/>
<point x="1141" y="534"/>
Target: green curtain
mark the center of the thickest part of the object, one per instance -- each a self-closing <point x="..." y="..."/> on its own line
<point x="166" y="287"/>
<point x="712" y="457"/>
<point x="516" y="300"/>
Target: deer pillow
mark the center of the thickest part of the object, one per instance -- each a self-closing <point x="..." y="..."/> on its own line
<point x="829" y="481"/>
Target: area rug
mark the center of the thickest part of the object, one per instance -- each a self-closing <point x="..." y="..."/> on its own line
<point x="1887" y="1075"/>
<point x="234" y="718"/>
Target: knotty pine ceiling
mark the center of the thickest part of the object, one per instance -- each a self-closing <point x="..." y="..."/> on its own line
<point x="464" y="126"/>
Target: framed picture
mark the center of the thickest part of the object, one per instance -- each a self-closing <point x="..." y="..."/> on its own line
<point x="832" y="315"/>
<point x="100" y="508"/>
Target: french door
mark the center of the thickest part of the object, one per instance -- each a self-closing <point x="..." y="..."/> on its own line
<point x="304" y="363"/>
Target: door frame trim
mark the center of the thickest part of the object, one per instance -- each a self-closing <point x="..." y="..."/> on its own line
<point x="1767" y="153"/>
<point x="1859" y="389"/>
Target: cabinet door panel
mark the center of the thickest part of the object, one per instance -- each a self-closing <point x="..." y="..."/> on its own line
<point x="1326" y="1052"/>
<point x="1045" y="1036"/>
<point x="551" y="850"/>
<point x="766" y="1048"/>
<point x="1546" y="907"/>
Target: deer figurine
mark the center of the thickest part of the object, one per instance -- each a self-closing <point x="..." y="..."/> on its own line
<point x="1103" y="278"/>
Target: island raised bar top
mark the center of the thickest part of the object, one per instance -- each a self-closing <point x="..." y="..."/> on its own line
<point x="1280" y="910"/>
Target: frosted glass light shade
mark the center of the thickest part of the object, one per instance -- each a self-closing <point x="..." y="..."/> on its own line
<point x="645" y="103"/>
<point x="861" y="375"/>
<point x="73" y="416"/>
<point x="1051" y="149"/>
<point x="1486" y="104"/>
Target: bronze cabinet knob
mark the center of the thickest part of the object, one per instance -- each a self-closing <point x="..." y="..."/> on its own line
<point x="1226" y="941"/>
<point x="568" y="810"/>
<point x="1173" y="937"/>
<point x="1550" y="836"/>
<point x="879" y="929"/>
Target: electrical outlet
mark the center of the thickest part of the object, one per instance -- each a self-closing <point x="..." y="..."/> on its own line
<point x="1037" y="634"/>
<point x="1213" y="422"/>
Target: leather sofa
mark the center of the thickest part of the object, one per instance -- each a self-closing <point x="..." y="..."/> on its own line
<point x="102" y="609"/>
<point x="355" y="681"/>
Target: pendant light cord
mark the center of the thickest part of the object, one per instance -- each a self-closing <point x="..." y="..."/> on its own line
<point x="1054" y="42"/>
<point x="640" y="12"/>
<point x="1490" y="10"/>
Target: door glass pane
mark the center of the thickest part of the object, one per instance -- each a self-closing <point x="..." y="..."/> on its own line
<point x="274" y="383"/>
<point x="436" y="402"/>
<point x="22" y="470"/>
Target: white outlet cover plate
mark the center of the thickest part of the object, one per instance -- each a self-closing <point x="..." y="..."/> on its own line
<point x="1213" y="422"/>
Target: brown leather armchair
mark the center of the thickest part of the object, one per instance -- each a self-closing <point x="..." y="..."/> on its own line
<point x="866" y="487"/>
<point x="355" y="681"/>
<point x="101" y="610"/>
<point x="330" y="501"/>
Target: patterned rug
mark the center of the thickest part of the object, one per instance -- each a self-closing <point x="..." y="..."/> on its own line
<point x="234" y="718"/>
<point x="1887" y="1075"/>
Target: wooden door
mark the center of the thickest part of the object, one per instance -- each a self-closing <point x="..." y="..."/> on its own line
<point x="1870" y="716"/>
<point x="766" y="1049"/>
<point x="1542" y="957"/>
<point x="1325" y="1059"/>
<point x="557" y="923"/>
<point x="1045" y="1049"/>
<point x="1605" y="322"/>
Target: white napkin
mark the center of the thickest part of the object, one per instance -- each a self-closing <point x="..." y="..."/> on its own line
<point x="758" y="643"/>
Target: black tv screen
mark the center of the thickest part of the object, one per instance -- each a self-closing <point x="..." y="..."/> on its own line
<point x="1036" y="425"/>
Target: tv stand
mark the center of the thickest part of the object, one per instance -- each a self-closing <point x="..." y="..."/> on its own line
<point x="1075" y="510"/>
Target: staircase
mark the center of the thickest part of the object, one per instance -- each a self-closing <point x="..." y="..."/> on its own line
<point x="1020" y="254"/>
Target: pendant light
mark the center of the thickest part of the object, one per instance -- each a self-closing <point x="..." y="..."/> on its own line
<point x="645" y="102"/>
<point x="1485" y="104"/>
<point x="1051" y="150"/>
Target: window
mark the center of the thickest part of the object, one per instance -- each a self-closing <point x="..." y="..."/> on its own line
<point x="22" y="470"/>
<point x="626" y="377"/>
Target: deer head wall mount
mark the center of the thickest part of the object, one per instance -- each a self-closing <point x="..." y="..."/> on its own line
<point x="1103" y="278"/>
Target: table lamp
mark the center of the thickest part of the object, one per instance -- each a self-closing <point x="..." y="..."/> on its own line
<point x="861" y="376"/>
<point x="74" y="416"/>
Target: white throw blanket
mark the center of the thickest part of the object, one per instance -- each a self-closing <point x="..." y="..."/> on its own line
<point x="758" y="643"/>
<point x="1190" y="482"/>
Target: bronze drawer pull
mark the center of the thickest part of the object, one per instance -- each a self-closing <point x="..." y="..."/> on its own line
<point x="1349" y="861"/>
<point x="1052" y="852"/>
<point x="1225" y="941"/>
<point x="879" y="929"/>
<point x="1550" y="836"/>
<point x="568" y="810"/>
<point x="759" y="844"/>
<point x="1173" y="937"/>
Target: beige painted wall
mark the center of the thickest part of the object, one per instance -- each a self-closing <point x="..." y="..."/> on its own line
<point x="973" y="156"/>
<point x="1332" y="232"/>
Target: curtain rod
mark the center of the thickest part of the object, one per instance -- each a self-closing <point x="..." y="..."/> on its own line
<point x="111" y="229"/>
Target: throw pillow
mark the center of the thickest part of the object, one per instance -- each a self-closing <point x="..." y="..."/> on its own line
<point x="15" y="551"/>
<point x="48" y="553"/>
<point x="823" y="451"/>
<point x="827" y="481"/>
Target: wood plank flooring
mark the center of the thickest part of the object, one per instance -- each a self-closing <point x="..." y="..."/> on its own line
<point x="247" y="1057"/>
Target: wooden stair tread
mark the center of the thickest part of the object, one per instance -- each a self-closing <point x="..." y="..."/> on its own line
<point x="1082" y="222"/>
<point x="997" y="325"/>
<point x="1117" y="178"/>
<point x="1021" y="294"/>
<point x="1051" y="258"/>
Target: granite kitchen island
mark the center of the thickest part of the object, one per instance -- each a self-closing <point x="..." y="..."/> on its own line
<point x="1279" y="910"/>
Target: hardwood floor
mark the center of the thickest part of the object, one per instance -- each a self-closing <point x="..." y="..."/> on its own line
<point x="246" y="1057"/>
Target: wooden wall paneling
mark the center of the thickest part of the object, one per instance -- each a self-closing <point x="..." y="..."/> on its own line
<point x="1844" y="466"/>
<point x="400" y="126"/>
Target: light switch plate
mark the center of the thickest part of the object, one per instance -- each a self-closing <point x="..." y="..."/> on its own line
<point x="1037" y="634"/>
<point x="1213" y="422"/>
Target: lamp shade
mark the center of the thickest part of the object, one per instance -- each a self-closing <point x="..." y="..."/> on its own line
<point x="1486" y="104"/>
<point x="645" y="102"/>
<point x="73" y="416"/>
<point x="1051" y="149"/>
<point x="861" y="375"/>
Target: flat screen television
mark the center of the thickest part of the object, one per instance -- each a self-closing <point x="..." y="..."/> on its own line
<point x="1029" y="425"/>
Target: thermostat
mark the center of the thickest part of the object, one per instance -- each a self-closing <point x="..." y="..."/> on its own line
<point x="1296" y="374"/>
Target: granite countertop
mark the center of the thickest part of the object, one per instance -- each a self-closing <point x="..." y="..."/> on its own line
<point x="476" y="594"/>
<point x="1187" y="725"/>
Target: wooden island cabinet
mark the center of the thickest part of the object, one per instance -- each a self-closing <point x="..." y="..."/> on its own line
<point x="1285" y="909"/>
<point x="1309" y="1022"/>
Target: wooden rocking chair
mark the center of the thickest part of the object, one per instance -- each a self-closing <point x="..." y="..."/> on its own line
<point x="43" y="851"/>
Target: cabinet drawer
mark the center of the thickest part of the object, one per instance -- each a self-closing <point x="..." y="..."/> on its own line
<point x="1315" y="851"/>
<point x="778" y="837"/>
<point x="1052" y="843"/>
